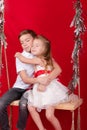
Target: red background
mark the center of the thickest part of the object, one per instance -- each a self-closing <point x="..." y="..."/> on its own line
<point x="52" y="19"/>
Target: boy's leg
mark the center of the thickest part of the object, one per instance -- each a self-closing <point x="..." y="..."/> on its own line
<point x="23" y="114"/>
<point x="5" y="100"/>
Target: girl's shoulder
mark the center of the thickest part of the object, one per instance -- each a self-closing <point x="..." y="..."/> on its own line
<point x="38" y="67"/>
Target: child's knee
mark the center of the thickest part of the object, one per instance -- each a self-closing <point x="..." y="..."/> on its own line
<point x="22" y="106"/>
<point x="49" y="116"/>
<point x="31" y="109"/>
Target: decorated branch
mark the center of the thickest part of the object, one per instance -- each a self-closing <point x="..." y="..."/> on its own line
<point x="2" y="36"/>
<point x="78" y="24"/>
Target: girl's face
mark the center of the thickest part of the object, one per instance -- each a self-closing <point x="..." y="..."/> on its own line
<point x="38" y="47"/>
<point x="26" y="41"/>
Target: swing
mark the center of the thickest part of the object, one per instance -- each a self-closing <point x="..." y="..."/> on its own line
<point x="71" y="105"/>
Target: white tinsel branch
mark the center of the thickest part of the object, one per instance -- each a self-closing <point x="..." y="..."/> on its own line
<point x="2" y="35"/>
<point x="78" y="23"/>
<point x="1" y="5"/>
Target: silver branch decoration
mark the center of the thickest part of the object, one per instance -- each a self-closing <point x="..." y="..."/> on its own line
<point x="2" y="36"/>
<point x="78" y="23"/>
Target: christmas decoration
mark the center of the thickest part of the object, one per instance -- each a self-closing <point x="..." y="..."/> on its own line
<point x="2" y="36"/>
<point x="78" y="24"/>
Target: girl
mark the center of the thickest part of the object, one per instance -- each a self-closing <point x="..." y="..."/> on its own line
<point x="44" y="97"/>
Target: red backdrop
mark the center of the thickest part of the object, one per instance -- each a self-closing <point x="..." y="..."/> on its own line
<point x="52" y="19"/>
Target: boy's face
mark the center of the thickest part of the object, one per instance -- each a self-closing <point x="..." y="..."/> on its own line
<point x="26" y="41"/>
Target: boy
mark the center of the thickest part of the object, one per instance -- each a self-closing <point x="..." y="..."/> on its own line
<point x="23" y="81"/>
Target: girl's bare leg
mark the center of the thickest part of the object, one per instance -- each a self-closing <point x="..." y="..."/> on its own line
<point x="36" y="117"/>
<point x="51" y="117"/>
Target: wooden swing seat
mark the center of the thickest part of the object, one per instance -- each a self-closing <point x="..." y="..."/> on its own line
<point x="71" y="105"/>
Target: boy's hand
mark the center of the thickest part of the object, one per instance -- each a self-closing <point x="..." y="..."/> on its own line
<point x="44" y="80"/>
<point x="17" y="54"/>
<point x="41" y="88"/>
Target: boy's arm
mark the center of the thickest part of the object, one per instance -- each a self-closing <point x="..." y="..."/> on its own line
<point x="30" y="80"/>
<point x="42" y="80"/>
<point x="26" y="79"/>
<point x="28" y="60"/>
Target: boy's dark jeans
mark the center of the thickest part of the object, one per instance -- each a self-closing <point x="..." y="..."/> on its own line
<point x="5" y="100"/>
<point x="23" y="114"/>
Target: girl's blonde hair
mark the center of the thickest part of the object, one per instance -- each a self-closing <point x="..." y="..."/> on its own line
<point x="47" y="52"/>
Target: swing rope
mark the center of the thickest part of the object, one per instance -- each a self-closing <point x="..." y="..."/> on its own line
<point x="3" y="46"/>
<point x="0" y="59"/>
<point x="78" y="117"/>
<point x="80" y="28"/>
<point x="8" y="82"/>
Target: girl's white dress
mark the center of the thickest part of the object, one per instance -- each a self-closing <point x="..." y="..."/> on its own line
<point x="55" y="93"/>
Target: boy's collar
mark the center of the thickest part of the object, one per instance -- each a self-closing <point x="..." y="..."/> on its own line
<point x="27" y="53"/>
